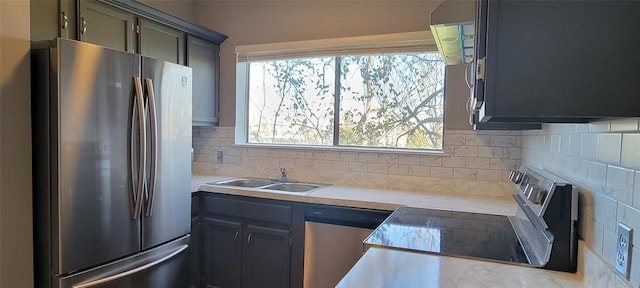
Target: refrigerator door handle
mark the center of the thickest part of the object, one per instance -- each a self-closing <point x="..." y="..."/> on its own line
<point x="124" y="274"/>
<point x="142" y="146"/>
<point x="153" y="119"/>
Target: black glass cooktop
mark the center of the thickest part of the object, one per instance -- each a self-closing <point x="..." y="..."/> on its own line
<point x="450" y="233"/>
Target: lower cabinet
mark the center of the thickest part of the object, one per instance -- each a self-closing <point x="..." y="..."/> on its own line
<point x="222" y="251"/>
<point x="267" y="254"/>
<point x="248" y="242"/>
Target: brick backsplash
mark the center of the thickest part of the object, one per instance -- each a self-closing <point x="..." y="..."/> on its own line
<point x="602" y="159"/>
<point x="483" y="157"/>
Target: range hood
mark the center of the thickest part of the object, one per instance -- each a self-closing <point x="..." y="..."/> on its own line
<point x="452" y="26"/>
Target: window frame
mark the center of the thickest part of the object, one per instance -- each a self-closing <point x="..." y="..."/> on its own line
<point x="242" y="92"/>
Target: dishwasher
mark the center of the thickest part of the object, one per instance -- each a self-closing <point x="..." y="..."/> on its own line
<point x="333" y="241"/>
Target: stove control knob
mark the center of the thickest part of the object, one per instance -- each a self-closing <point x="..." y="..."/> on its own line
<point x="542" y="195"/>
<point x="527" y="190"/>
<point x="515" y="176"/>
<point x="534" y="194"/>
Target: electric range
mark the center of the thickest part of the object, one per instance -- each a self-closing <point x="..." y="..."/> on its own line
<point x="541" y="234"/>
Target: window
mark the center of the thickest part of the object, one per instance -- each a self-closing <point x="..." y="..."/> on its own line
<point x="356" y="98"/>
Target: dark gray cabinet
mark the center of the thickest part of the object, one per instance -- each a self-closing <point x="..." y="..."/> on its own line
<point x="50" y="19"/>
<point x="162" y="42"/>
<point x="204" y="58"/>
<point x="267" y="257"/>
<point x="556" y="61"/>
<point x="134" y="27"/>
<point x="107" y="26"/>
<point x="222" y="247"/>
<point x="248" y="242"/>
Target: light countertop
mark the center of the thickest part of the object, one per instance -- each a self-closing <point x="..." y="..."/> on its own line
<point x="390" y="268"/>
<point x="369" y="198"/>
<point x="380" y="267"/>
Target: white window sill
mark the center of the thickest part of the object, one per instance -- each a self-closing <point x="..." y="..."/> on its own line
<point x="343" y="149"/>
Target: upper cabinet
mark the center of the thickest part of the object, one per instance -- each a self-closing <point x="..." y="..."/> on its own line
<point x="556" y="61"/>
<point x="204" y="59"/>
<point x="128" y="25"/>
<point x="107" y="26"/>
<point x="162" y="42"/>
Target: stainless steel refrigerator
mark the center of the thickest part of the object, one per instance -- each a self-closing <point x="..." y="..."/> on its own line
<point x="112" y="167"/>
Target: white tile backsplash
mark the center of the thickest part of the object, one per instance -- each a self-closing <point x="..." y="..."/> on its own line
<point x="442" y="172"/>
<point x="408" y="159"/>
<point x="454" y="139"/>
<point x="589" y="146"/>
<point x="631" y="217"/>
<point x="631" y="150"/>
<point x="628" y="124"/>
<point x="620" y="184"/>
<point x="459" y="162"/>
<point x="482" y="163"/>
<point x="602" y="159"/>
<point x="430" y="160"/>
<point x="377" y="168"/>
<point x="462" y="151"/>
<point x="477" y="140"/>
<point x="596" y="176"/>
<point x="421" y="171"/>
<point x="504" y="141"/>
<point x="603" y="126"/>
<point x="465" y="173"/>
<point x="609" y="146"/>
<point x="368" y="157"/>
<point x="398" y="169"/>
<point x="388" y="158"/>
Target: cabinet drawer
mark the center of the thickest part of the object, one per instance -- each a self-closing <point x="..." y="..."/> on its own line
<point x="267" y="212"/>
<point x="248" y="209"/>
<point x="223" y="206"/>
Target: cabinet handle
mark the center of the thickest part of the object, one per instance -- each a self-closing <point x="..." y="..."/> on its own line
<point x="249" y="239"/>
<point x="236" y="237"/>
<point x="65" y="20"/>
<point x="84" y="26"/>
<point x="480" y="69"/>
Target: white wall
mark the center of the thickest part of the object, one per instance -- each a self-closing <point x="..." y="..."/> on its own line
<point x="16" y="246"/>
<point x="603" y="160"/>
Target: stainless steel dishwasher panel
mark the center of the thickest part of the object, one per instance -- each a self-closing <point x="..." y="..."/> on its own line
<point x="330" y="251"/>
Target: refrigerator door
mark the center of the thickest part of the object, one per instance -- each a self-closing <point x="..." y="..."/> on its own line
<point x="167" y="199"/>
<point x="166" y="266"/>
<point x="93" y="132"/>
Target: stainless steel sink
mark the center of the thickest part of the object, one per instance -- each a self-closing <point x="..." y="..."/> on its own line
<point x="270" y="184"/>
<point x="293" y="187"/>
<point x="245" y="182"/>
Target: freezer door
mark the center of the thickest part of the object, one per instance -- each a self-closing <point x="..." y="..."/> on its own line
<point x="166" y="266"/>
<point x="91" y="134"/>
<point x="167" y="202"/>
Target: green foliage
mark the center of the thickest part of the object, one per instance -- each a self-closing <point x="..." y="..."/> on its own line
<point x="386" y="100"/>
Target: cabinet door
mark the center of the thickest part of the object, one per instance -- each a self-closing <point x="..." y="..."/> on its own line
<point x="222" y="253"/>
<point x="51" y="19"/>
<point x="266" y="260"/>
<point x="203" y="57"/>
<point x="107" y="26"/>
<point x="161" y="42"/>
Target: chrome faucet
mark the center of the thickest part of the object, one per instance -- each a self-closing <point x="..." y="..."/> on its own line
<point x="283" y="174"/>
